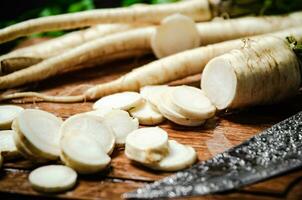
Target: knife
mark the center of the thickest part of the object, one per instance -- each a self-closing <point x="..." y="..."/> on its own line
<point x="274" y="151"/>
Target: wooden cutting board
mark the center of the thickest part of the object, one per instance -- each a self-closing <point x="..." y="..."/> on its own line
<point x="217" y="135"/>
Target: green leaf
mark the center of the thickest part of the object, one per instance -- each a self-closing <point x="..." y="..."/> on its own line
<point x="80" y="6"/>
<point x="131" y="2"/>
<point x="163" y="1"/>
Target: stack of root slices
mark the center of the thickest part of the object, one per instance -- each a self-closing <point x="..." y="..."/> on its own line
<point x="152" y="148"/>
<point x="183" y="105"/>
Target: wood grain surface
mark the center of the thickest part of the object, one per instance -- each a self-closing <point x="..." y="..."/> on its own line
<point x="217" y="135"/>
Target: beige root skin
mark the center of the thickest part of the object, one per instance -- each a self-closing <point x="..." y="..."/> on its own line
<point x="25" y="57"/>
<point x="222" y="30"/>
<point x="161" y="41"/>
<point x="196" y="9"/>
<point x="96" y="49"/>
<point x="265" y="71"/>
<point x="161" y="71"/>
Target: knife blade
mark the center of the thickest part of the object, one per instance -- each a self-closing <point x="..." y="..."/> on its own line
<point x="274" y="151"/>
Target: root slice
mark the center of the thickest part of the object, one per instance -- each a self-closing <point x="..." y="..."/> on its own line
<point x="147" y="145"/>
<point x="39" y="132"/>
<point x="91" y="126"/>
<point x="8" y="147"/>
<point x="52" y="178"/>
<point x="121" y="123"/>
<point x="7" y="114"/>
<point x="179" y="157"/>
<point x="123" y="101"/>
<point x="176" y="33"/>
<point x="147" y="114"/>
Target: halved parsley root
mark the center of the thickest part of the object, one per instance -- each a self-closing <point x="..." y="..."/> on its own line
<point x="8" y="149"/>
<point x="147" y="145"/>
<point x="53" y="178"/>
<point x="266" y="70"/>
<point x="37" y="134"/>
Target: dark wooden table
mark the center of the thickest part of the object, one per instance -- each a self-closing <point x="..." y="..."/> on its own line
<point x="217" y="135"/>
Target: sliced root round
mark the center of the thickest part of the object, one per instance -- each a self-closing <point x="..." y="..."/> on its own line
<point x="180" y="157"/>
<point x="147" y="145"/>
<point x="192" y="102"/>
<point x="176" y="33"/>
<point x="153" y="93"/>
<point x="38" y="131"/>
<point x="219" y="82"/>
<point x="123" y="101"/>
<point x="25" y="152"/>
<point x="100" y="113"/>
<point x="166" y="108"/>
<point x="92" y="127"/>
<point x="53" y="178"/>
<point x="147" y="114"/>
<point x="83" y="153"/>
<point x="8" y="147"/>
<point x="121" y="123"/>
<point x="7" y="114"/>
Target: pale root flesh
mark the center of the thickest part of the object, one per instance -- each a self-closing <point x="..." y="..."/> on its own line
<point x="121" y="123"/>
<point x="265" y="70"/>
<point x="166" y="108"/>
<point x="100" y="112"/>
<point x="91" y="126"/>
<point x="176" y="33"/>
<point x="123" y="101"/>
<point x="198" y="10"/>
<point x="39" y="132"/>
<point x="25" y="152"/>
<point x="162" y="71"/>
<point x="25" y="57"/>
<point x="147" y="114"/>
<point x="152" y="93"/>
<point x="180" y="157"/>
<point x="83" y="153"/>
<point x="147" y="145"/>
<point x="8" y="147"/>
<point x="52" y="178"/>
<point x="191" y="102"/>
<point x="7" y="114"/>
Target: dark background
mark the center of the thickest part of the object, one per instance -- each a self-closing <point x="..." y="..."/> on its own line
<point x="10" y="9"/>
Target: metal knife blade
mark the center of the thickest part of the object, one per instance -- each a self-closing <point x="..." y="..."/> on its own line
<point x="272" y="152"/>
